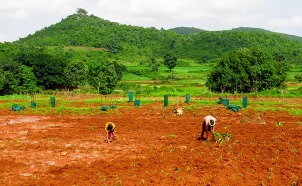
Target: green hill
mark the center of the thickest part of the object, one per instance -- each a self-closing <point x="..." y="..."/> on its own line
<point x="186" y="30"/>
<point x="130" y="42"/>
<point x="247" y="29"/>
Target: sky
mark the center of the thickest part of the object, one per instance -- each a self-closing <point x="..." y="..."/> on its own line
<point x="19" y="18"/>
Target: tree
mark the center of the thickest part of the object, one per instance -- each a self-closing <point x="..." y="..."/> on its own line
<point x="10" y="77"/>
<point x="2" y="79"/>
<point x="154" y="65"/>
<point x="247" y="70"/>
<point x="170" y="60"/>
<point x="47" y="65"/>
<point x="102" y="76"/>
<point x="82" y="11"/>
<point x="28" y="80"/>
<point x="75" y="74"/>
<point x="119" y="69"/>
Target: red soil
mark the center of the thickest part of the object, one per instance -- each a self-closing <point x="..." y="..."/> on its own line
<point x="152" y="147"/>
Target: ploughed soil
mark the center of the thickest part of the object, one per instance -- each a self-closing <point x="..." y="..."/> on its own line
<point x="152" y="147"/>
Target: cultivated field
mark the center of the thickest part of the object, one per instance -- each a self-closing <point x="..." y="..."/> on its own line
<point x="65" y="145"/>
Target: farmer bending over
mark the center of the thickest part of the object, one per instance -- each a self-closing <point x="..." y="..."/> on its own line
<point x="109" y="128"/>
<point x="208" y="125"/>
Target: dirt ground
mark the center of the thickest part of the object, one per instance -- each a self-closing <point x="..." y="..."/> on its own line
<point x="152" y="147"/>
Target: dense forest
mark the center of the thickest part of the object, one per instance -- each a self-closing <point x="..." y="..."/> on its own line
<point x="49" y="57"/>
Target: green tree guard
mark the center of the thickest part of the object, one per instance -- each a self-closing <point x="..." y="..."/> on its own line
<point x="165" y="100"/>
<point x="53" y="101"/>
<point x="130" y="96"/>
<point x="137" y="103"/>
<point x="188" y="98"/>
<point x="33" y="104"/>
<point x="244" y="102"/>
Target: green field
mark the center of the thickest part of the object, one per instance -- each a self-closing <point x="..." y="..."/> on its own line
<point x="191" y="79"/>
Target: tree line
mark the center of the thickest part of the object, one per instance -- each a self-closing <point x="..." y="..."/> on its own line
<point x="29" y="69"/>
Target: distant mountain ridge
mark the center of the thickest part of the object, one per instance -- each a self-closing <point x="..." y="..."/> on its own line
<point x="189" y="30"/>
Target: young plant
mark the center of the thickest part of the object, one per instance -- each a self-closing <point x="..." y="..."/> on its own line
<point x="278" y="124"/>
<point x="222" y="138"/>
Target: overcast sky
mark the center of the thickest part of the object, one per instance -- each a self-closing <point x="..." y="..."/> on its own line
<point x="18" y="18"/>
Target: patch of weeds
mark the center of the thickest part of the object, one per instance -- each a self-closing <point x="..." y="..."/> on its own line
<point x="235" y="142"/>
<point x="172" y="136"/>
<point x="18" y="143"/>
<point x="142" y="182"/>
<point x="222" y="138"/>
<point x="64" y="175"/>
<point x="270" y="174"/>
<point x="171" y="149"/>
<point x="132" y="164"/>
<point x="118" y="181"/>
<point x="33" y="176"/>
<point x="178" y="170"/>
<point x="278" y="124"/>
<point x="189" y="168"/>
<point x="92" y="128"/>
<point x="296" y="112"/>
<point x="262" y="183"/>
<point x="299" y="123"/>
<point x="192" y="107"/>
<point x="183" y="148"/>
<point x="192" y="150"/>
<point x="230" y="152"/>
<point x="219" y="158"/>
<point x="293" y="150"/>
<point x="101" y="177"/>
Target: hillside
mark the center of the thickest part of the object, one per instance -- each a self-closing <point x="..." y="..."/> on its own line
<point x="129" y="41"/>
<point x="186" y="30"/>
<point x="246" y="29"/>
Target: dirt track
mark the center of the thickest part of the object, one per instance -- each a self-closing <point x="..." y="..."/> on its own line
<point x="153" y="147"/>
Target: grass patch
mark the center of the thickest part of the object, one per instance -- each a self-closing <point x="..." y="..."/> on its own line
<point x="133" y="77"/>
<point x="172" y="136"/>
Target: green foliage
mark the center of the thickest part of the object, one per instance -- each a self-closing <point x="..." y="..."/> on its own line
<point x="186" y="30"/>
<point x="28" y="80"/>
<point x="2" y="79"/>
<point x="298" y="77"/>
<point x="247" y="70"/>
<point x="75" y="74"/>
<point x="86" y="38"/>
<point x="130" y="42"/>
<point x="119" y="69"/>
<point x="278" y="124"/>
<point x="47" y="65"/>
<point x="82" y="11"/>
<point x="222" y="138"/>
<point x="10" y="77"/>
<point x="102" y="76"/>
<point x="154" y="65"/>
<point x="170" y="60"/>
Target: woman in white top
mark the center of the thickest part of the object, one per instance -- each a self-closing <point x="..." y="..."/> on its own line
<point x="208" y="125"/>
